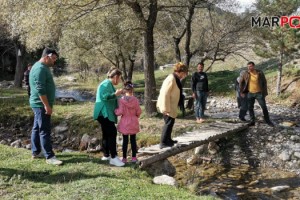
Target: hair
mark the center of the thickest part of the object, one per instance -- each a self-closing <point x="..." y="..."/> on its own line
<point x="128" y="85"/>
<point x="251" y="63"/>
<point x="113" y="72"/>
<point x="47" y="52"/>
<point x="180" y="67"/>
<point x="200" y="63"/>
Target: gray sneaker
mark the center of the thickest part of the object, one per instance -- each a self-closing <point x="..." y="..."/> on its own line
<point x="40" y="155"/>
<point x="53" y="161"/>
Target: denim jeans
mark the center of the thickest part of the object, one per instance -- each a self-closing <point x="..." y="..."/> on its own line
<point x="41" y="133"/>
<point x="200" y="104"/>
<point x="261" y="101"/>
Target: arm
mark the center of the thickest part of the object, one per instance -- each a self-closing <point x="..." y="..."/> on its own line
<point x="240" y="85"/>
<point x="108" y="92"/>
<point x="193" y="86"/>
<point x="264" y="84"/>
<point x="206" y="83"/>
<point x="119" y="110"/>
<point x="47" y="107"/>
<point x="40" y="80"/>
<point x="165" y="94"/>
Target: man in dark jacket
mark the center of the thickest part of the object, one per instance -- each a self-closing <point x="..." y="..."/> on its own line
<point x="241" y="101"/>
<point x="253" y="83"/>
<point x="199" y="86"/>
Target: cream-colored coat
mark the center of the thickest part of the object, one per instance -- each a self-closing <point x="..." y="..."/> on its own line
<point x="169" y="97"/>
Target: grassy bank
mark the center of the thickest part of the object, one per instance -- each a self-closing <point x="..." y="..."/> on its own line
<point x="81" y="177"/>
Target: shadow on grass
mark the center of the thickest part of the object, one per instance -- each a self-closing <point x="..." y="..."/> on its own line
<point x="50" y="177"/>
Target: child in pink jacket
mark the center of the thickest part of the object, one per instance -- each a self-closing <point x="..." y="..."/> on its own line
<point x="130" y="111"/>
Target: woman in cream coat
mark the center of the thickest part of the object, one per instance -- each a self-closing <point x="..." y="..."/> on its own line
<point x="169" y="96"/>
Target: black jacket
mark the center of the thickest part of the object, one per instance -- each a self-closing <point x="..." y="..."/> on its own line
<point x="199" y="82"/>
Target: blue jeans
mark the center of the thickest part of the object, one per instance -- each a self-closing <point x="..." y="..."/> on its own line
<point x="200" y="104"/>
<point x="261" y="101"/>
<point x="41" y="133"/>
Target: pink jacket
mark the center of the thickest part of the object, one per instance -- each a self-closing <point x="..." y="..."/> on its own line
<point x="130" y="111"/>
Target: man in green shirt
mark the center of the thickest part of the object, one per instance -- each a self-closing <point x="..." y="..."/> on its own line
<point x="42" y="89"/>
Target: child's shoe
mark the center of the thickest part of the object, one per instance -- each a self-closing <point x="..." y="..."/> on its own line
<point x="134" y="159"/>
<point x="124" y="160"/>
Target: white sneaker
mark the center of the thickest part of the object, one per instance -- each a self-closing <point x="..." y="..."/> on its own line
<point x="116" y="162"/>
<point x="104" y="158"/>
<point x="53" y="161"/>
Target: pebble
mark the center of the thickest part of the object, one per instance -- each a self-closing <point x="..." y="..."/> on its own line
<point x="280" y="188"/>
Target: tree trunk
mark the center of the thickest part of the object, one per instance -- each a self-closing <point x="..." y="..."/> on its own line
<point x="19" y="66"/>
<point x="279" y="75"/>
<point x="123" y="66"/>
<point x="131" y="67"/>
<point x="189" y="34"/>
<point x="177" y="50"/>
<point x="177" y="41"/>
<point x="150" y="85"/>
<point x="148" y="26"/>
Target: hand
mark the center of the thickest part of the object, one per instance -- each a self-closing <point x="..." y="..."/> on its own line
<point x="48" y="110"/>
<point x="166" y="113"/>
<point x="194" y="95"/>
<point x="243" y="95"/>
<point x="118" y="92"/>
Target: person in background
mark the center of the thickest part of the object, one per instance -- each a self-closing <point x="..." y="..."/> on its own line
<point x="167" y="102"/>
<point x="253" y="83"/>
<point x="129" y="109"/>
<point x="41" y="101"/>
<point x="241" y="101"/>
<point x="199" y="85"/>
<point x="105" y="105"/>
<point x="26" y="78"/>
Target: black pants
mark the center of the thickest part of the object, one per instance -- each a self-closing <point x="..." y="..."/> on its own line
<point x="167" y="130"/>
<point x="125" y="145"/>
<point x="109" y="137"/>
<point x="243" y="106"/>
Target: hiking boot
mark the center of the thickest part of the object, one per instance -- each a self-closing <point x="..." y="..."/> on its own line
<point x="252" y="123"/>
<point x="173" y="141"/>
<point x="270" y="123"/>
<point x="116" y="162"/>
<point x="105" y="158"/>
<point x="36" y="156"/>
<point x="242" y="119"/>
<point x="134" y="159"/>
<point x="53" y="161"/>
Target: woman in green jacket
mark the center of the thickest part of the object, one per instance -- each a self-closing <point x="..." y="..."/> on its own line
<point x="106" y="103"/>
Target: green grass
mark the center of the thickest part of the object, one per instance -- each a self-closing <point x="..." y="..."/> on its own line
<point x="81" y="177"/>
